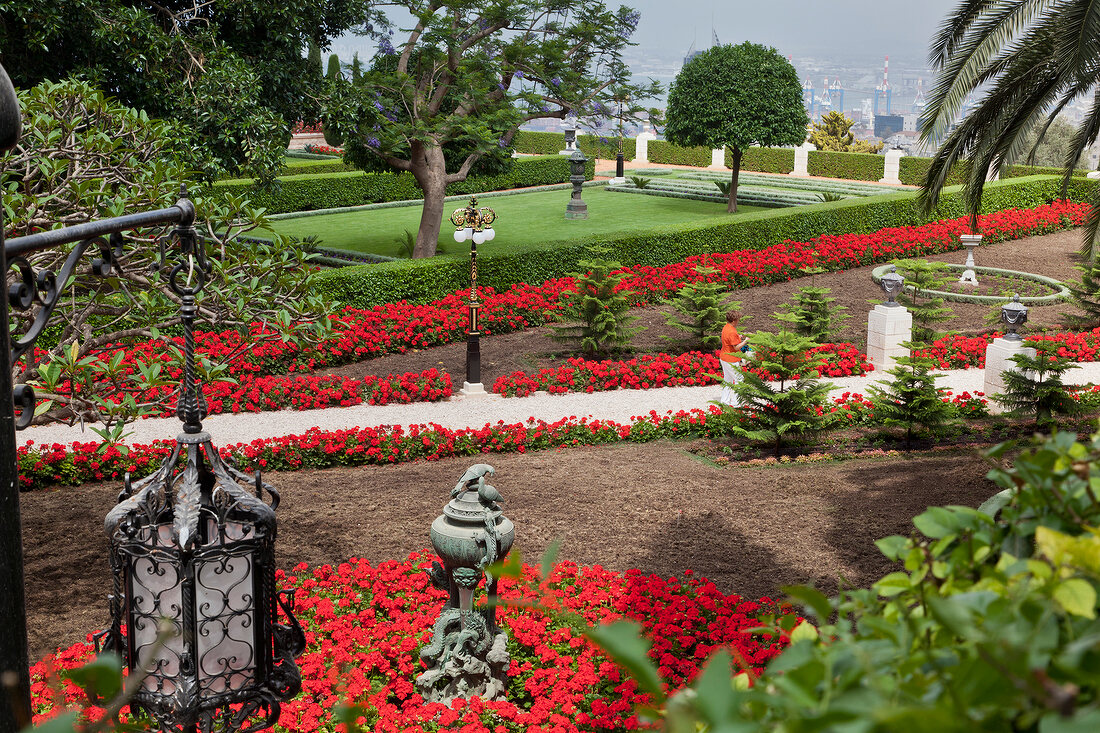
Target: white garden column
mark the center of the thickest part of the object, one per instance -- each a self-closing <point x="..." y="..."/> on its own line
<point x="889" y="325"/>
<point x="998" y="355"/>
<point x="802" y="159"/>
<point x="641" y="147"/>
<point x="718" y="159"/>
<point x="892" y="167"/>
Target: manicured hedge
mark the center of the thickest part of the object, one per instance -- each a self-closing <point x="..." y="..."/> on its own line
<point x="424" y="280"/>
<point x="662" y="151"/>
<point x="764" y="160"/>
<point x="326" y="164"/>
<point x="330" y="191"/>
<point x="855" y="166"/>
<point x="552" y="143"/>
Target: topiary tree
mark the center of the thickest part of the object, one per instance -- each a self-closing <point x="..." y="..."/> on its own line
<point x="1035" y="386"/>
<point x="333" y="72"/>
<point x="314" y="68"/>
<point x="700" y="309"/>
<point x="812" y="313"/>
<point x="911" y="398"/>
<point x="356" y="68"/>
<point x="83" y="156"/>
<point x="792" y="410"/>
<point x="597" y="317"/>
<point x="736" y="96"/>
<point x="927" y="310"/>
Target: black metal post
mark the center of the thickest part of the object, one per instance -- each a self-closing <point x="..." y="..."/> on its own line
<point x="473" y="339"/>
<point x="15" y="683"/>
<point x="619" y="155"/>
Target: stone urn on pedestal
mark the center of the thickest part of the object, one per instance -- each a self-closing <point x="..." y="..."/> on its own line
<point x="467" y="655"/>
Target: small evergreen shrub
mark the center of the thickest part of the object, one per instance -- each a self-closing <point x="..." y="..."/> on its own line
<point x="639" y="181"/>
<point x="812" y="311"/>
<point x="927" y="310"/>
<point x="911" y="398"/>
<point x="701" y="310"/>
<point x="1035" y="386"/>
<point x="794" y="410"/>
<point x="596" y="318"/>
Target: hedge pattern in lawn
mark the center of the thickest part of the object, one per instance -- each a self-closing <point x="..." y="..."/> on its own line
<point x="336" y="190"/>
<point x="426" y="280"/>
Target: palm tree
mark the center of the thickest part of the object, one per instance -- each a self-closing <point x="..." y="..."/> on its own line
<point x="1025" y="61"/>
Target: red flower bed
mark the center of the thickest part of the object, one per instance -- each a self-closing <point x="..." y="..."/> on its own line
<point x="964" y="352"/>
<point x="365" y="626"/>
<point x="657" y="370"/>
<point x="79" y="463"/>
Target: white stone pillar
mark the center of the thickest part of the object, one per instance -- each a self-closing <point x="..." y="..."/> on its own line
<point x="718" y="159"/>
<point x="998" y="360"/>
<point x="892" y="166"/>
<point x="641" y="147"/>
<point x="802" y="159"/>
<point x="888" y="327"/>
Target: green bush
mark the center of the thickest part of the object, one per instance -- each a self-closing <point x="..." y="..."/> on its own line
<point x="331" y="191"/>
<point x="764" y="160"/>
<point x="661" y="151"/>
<point x="552" y="143"/>
<point x="429" y="279"/>
<point x="856" y="166"/>
<point x="310" y="167"/>
<point x="538" y="143"/>
<point x="911" y="171"/>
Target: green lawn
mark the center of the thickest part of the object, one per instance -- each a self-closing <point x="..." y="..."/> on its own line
<point x="522" y="218"/>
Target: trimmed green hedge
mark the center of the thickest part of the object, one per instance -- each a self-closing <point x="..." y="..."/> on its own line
<point x="552" y="143"/>
<point x="429" y="279"/>
<point x="301" y="167"/>
<point x="764" y="160"/>
<point x="662" y="151"/>
<point x="854" y="166"/>
<point x="335" y="190"/>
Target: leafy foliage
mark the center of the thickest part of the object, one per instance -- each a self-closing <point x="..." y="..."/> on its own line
<point x="469" y="73"/>
<point x="812" y="313"/>
<point x="793" y="409"/>
<point x="82" y="157"/>
<point x="1035" y="386"/>
<point x="639" y="181"/>
<point x="700" y="309"/>
<point x="1085" y="294"/>
<point x="598" y="316"/>
<point x="736" y="96"/>
<point x="911" y="398"/>
<point x="924" y="275"/>
<point x="232" y="73"/>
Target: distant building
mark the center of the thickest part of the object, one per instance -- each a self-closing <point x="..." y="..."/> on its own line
<point x="887" y="125"/>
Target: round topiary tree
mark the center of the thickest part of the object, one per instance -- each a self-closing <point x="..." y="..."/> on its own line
<point x="736" y="96"/>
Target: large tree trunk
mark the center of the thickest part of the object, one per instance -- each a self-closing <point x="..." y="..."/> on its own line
<point x="430" y="171"/>
<point x="732" y="207"/>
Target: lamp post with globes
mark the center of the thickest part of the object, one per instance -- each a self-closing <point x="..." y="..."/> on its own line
<point x="475" y="225"/>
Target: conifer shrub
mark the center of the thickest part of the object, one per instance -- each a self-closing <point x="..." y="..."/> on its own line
<point x="794" y="408"/>
<point x="927" y="309"/>
<point x="596" y="319"/>
<point x="812" y="311"/>
<point x="701" y="310"/>
<point x="911" y="398"/>
<point x="1035" y="386"/>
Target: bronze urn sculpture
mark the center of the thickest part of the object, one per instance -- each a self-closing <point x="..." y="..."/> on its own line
<point x="468" y="654"/>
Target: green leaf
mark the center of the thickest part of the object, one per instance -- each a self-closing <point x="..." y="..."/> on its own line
<point x="1077" y="596"/>
<point x="1082" y="721"/>
<point x="714" y="688"/>
<point x="623" y="642"/>
<point x="892" y="546"/>
<point x="64" y="723"/>
<point x="548" y="558"/>
<point x="101" y="677"/>
<point x="893" y="584"/>
<point x="812" y="599"/>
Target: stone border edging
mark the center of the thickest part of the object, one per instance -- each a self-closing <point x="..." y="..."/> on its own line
<point x="1037" y="300"/>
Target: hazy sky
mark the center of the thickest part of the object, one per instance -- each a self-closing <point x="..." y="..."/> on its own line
<point x="871" y="27"/>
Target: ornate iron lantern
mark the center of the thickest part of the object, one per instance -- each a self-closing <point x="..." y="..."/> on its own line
<point x="475" y="225"/>
<point x="1013" y="315"/>
<point x="892" y="284"/>
<point x="192" y="545"/>
<point x="468" y="653"/>
<point x="569" y="127"/>
<point x="576" y="208"/>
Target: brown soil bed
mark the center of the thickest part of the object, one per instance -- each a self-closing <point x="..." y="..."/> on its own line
<point x="656" y="507"/>
<point x="1051" y="255"/>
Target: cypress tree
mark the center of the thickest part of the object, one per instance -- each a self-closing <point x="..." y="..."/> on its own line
<point x="316" y="70"/>
<point x="334" y="71"/>
<point x="356" y="69"/>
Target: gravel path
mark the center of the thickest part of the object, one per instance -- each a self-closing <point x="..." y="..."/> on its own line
<point x="619" y="405"/>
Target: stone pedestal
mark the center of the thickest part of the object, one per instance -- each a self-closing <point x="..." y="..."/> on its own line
<point x="998" y="360"/>
<point x="718" y="159"/>
<point x="641" y="147"/>
<point x="892" y="167"/>
<point x="971" y="242"/>
<point x="474" y="391"/>
<point x="888" y="327"/>
<point x="802" y="159"/>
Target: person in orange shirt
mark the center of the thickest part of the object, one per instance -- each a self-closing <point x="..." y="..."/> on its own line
<point x="730" y="355"/>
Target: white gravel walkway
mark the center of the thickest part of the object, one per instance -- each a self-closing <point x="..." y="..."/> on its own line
<point x="619" y="405"/>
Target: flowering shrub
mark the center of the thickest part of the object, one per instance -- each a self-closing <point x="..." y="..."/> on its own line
<point x="82" y="462"/>
<point x="300" y="127"/>
<point x="648" y="371"/>
<point x="365" y="624"/>
<point x="964" y="352"/>
<point x="323" y="149"/>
